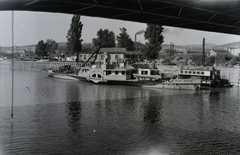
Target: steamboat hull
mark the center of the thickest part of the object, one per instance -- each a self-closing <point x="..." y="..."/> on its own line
<point x="216" y="84"/>
<point x="175" y="87"/>
<point x="144" y="84"/>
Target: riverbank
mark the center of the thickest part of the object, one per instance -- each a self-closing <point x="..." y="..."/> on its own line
<point x="230" y="73"/>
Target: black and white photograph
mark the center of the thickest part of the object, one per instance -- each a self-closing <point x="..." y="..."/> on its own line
<point x="119" y="77"/>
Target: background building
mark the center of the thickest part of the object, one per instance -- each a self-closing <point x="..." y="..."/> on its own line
<point x="234" y="51"/>
<point x="215" y="52"/>
<point x="115" y="54"/>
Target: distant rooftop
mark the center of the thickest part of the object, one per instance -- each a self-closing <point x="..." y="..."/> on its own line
<point x="220" y="51"/>
<point x="113" y="50"/>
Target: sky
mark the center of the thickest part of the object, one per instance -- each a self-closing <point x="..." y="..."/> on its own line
<point x="31" y="27"/>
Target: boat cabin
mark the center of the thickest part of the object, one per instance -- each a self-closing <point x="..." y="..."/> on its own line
<point x="119" y="74"/>
<point x="203" y="73"/>
<point x="148" y="74"/>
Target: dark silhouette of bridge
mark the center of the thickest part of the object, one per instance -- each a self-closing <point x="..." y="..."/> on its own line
<point x="207" y="15"/>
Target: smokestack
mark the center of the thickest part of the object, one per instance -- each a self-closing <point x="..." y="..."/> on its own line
<point x="203" y="52"/>
<point x="139" y="32"/>
<point x="171" y="53"/>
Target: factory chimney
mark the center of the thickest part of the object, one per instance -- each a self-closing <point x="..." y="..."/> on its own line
<point x="203" y="52"/>
<point x="139" y="32"/>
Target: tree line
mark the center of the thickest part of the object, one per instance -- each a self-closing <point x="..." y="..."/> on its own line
<point x="105" y="38"/>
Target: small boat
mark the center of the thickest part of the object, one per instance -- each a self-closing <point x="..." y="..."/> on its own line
<point x="63" y="73"/>
<point x="162" y="82"/>
<point x="179" y="84"/>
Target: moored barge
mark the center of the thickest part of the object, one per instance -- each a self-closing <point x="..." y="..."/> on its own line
<point x="210" y="77"/>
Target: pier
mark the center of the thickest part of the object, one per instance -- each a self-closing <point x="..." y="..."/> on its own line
<point x="41" y="66"/>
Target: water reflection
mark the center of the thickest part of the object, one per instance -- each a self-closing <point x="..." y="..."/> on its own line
<point x="152" y="110"/>
<point x="214" y="96"/>
<point x="74" y="115"/>
<point x="99" y="119"/>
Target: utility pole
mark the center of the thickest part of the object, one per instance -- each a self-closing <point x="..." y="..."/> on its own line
<point x="12" y="64"/>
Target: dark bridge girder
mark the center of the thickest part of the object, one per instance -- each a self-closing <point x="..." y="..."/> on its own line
<point x="207" y="15"/>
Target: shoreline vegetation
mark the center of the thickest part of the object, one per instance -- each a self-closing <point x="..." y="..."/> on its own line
<point x="230" y="73"/>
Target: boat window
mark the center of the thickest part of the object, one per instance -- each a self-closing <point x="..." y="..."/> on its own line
<point x="85" y="57"/>
<point x="190" y="72"/>
<point x="135" y="71"/>
<point x="198" y="72"/>
<point x="128" y="72"/>
<point x="194" y="72"/>
<point x="181" y="71"/>
<point x="153" y="73"/>
<point x="102" y="57"/>
<point x="123" y="72"/>
<point x="94" y="75"/>
<point x="202" y="73"/>
<point x="108" y="72"/>
<point x="116" y="56"/>
<point x="116" y="72"/>
<point x="99" y="76"/>
<point x="185" y="71"/>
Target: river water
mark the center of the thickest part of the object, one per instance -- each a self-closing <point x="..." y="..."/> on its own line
<point x="53" y="116"/>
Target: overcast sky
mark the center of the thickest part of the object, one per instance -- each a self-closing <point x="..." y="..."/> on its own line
<point x="31" y="27"/>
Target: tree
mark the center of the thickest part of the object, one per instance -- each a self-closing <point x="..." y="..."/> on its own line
<point x="197" y="59"/>
<point x="74" y="41"/>
<point x="210" y="61"/>
<point x="124" y="40"/>
<point x="51" y="47"/>
<point x="87" y="47"/>
<point x="155" y="38"/>
<point x="41" y="49"/>
<point x="46" y="48"/>
<point x="105" y="38"/>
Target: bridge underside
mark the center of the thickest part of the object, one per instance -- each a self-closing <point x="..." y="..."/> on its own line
<point x="207" y="15"/>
